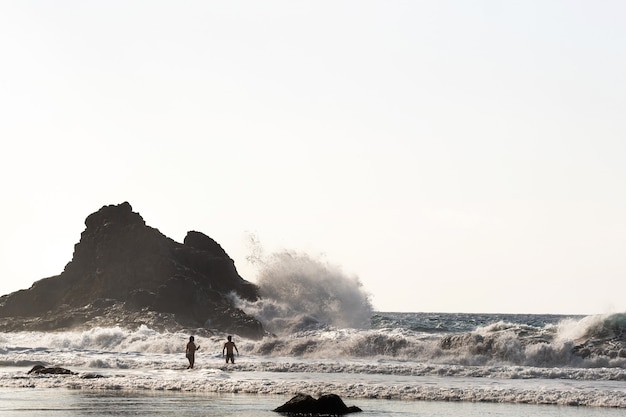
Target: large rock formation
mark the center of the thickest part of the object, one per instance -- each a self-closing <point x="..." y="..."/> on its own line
<point x="125" y="272"/>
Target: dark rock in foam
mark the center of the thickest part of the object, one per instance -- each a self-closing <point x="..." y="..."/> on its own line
<point x="40" y="369"/>
<point x="125" y="272"/>
<point x="304" y="404"/>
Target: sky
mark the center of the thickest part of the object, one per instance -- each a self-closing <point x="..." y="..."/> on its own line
<point x="455" y="156"/>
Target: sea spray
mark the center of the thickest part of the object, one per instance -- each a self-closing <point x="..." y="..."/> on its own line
<point x="601" y="326"/>
<point x="300" y="292"/>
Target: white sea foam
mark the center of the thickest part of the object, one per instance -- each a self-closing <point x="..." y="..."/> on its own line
<point x="595" y="326"/>
<point x="348" y="362"/>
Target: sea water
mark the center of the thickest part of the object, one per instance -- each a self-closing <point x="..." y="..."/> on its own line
<point x="403" y="364"/>
<point x="79" y="403"/>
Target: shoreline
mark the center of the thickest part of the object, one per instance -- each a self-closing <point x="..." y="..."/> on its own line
<point x="77" y="403"/>
<point x="208" y="380"/>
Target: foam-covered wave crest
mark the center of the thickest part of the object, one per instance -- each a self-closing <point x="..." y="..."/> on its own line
<point x="496" y="344"/>
<point x="596" y="327"/>
<point x="593" y="341"/>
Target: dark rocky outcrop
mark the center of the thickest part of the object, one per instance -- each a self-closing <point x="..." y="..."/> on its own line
<point x="125" y="272"/>
<point x="326" y="405"/>
<point x="40" y="369"/>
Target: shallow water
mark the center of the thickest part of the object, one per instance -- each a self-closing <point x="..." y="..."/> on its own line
<point x="79" y="403"/>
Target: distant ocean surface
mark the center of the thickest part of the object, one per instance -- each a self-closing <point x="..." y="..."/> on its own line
<point x="403" y="364"/>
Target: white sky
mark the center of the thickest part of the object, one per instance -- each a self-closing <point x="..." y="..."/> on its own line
<point x="457" y="156"/>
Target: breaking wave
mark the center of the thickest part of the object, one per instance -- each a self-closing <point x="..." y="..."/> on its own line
<point x="300" y="292"/>
<point x="589" y="342"/>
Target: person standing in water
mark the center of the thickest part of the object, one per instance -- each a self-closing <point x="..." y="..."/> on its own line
<point x="228" y="347"/>
<point x="190" y="352"/>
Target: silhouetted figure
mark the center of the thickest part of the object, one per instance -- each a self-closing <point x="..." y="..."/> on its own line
<point x="228" y="348"/>
<point x="190" y="352"/>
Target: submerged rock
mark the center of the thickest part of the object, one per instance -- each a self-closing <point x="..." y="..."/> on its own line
<point x="124" y="272"/>
<point x="304" y="404"/>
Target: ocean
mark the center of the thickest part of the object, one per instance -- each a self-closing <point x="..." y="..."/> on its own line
<point x="401" y="364"/>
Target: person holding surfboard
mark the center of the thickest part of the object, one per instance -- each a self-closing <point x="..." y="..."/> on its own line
<point x="190" y="352"/>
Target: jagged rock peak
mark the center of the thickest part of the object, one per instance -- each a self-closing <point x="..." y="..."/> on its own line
<point x="200" y="241"/>
<point x="123" y="269"/>
<point x="120" y="215"/>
